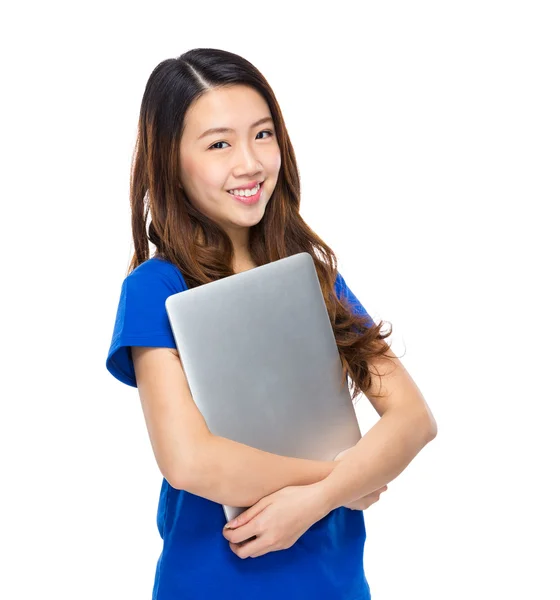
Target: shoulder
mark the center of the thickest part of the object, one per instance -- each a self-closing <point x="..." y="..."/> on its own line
<point x="345" y="294"/>
<point x="141" y="317"/>
<point x="159" y="273"/>
<point x="339" y="284"/>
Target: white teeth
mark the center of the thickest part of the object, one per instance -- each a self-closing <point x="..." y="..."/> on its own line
<point x="246" y="192"/>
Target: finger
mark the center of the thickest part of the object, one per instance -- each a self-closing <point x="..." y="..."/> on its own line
<point x="251" y="549"/>
<point x="246" y="516"/>
<point x="366" y="501"/>
<point x="241" y="534"/>
<point x="262" y="552"/>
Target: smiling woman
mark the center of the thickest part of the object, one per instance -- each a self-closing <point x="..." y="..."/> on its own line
<point x="215" y="169"/>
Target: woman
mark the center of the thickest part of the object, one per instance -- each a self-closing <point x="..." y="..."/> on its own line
<point x="216" y="172"/>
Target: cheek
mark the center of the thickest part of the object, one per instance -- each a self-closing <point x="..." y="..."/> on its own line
<point x="211" y="177"/>
<point x="203" y="179"/>
<point x="276" y="162"/>
<point x="273" y="163"/>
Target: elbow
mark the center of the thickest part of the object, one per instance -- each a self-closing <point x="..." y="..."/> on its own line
<point x="209" y="482"/>
<point x="205" y="474"/>
<point x="432" y="432"/>
<point x="430" y="426"/>
<point x="190" y="471"/>
<point x="180" y="476"/>
<point x="424" y="425"/>
<point x="183" y="479"/>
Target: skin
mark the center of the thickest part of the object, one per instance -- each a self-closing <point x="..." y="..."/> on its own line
<point x="278" y="520"/>
<point x="222" y="161"/>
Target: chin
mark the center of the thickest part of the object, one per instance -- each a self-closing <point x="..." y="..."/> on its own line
<point x="249" y="222"/>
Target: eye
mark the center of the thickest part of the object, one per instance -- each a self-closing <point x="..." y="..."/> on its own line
<point x="267" y="131"/>
<point x="212" y="147"/>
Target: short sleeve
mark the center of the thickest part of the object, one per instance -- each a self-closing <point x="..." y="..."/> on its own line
<point x="141" y="318"/>
<point x="342" y="289"/>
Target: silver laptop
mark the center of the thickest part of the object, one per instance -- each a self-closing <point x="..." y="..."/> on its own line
<point x="261" y="360"/>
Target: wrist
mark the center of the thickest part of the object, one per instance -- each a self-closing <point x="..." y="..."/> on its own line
<point x="324" y="500"/>
<point x="324" y="469"/>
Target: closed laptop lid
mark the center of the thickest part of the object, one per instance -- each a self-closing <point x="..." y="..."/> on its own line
<point x="261" y="360"/>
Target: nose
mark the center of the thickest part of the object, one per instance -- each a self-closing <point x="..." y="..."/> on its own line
<point x="247" y="162"/>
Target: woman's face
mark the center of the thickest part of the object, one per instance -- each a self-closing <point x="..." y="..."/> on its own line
<point x="213" y="163"/>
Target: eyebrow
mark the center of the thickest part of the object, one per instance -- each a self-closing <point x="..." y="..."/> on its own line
<point x="229" y="130"/>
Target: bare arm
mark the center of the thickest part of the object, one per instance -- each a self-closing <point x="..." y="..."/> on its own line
<point x="235" y="474"/>
<point x="405" y="427"/>
<point x="378" y="458"/>
<point x="190" y="457"/>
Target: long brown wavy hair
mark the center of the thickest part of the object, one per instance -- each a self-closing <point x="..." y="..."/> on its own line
<point x="198" y="246"/>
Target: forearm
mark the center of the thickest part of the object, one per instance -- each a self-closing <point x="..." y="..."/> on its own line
<point x="378" y="458"/>
<point x="235" y="474"/>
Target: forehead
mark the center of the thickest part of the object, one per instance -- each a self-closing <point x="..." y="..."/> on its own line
<point x="237" y="106"/>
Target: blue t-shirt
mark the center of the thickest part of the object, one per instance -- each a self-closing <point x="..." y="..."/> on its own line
<point x="196" y="561"/>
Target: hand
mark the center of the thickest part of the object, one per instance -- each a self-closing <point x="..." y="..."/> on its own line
<point x="276" y="521"/>
<point x="365" y="501"/>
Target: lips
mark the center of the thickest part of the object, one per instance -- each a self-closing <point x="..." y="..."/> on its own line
<point x="249" y="200"/>
<point x="247" y="187"/>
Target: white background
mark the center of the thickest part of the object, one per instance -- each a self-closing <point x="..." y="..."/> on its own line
<point x="427" y="136"/>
